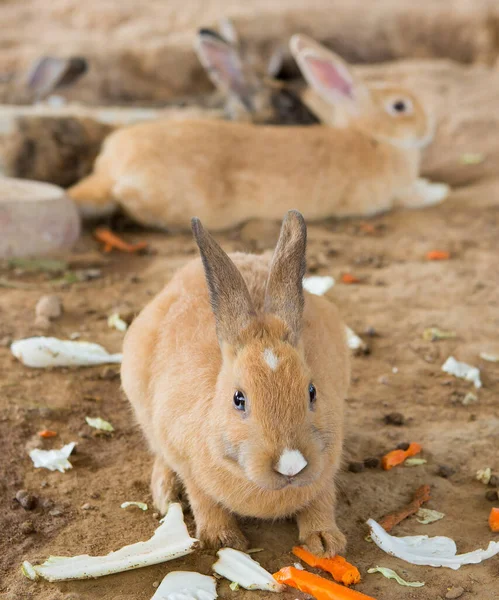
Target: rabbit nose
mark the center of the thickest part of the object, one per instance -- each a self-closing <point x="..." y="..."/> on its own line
<point x="291" y="462"/>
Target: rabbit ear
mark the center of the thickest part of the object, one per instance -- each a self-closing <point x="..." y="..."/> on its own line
<point x="284" y="291"/>
<point x="328" y="74"/>
<point x="50" y="72"/>
<point x="229" y="295"/>
<point x="275" y="61"/>
<point x="228" y="31"/>
<point x="223" y="63"/>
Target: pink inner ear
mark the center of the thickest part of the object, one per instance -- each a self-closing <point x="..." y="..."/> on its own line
<point x="222" y="61"/>
<point x="329" y="76"/>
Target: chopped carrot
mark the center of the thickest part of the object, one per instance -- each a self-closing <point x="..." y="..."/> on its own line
<point x="47" y="433"/>
<point x="317" y="586"/>
<point x="438" y="255"/>
<point x="421" y="495"/>
<point x="349" y="278"/>
<point x="340" y="569"/>
<point x="494" y="520"/>
<point x="111" y="240"/>
<point x="397" y="457"/>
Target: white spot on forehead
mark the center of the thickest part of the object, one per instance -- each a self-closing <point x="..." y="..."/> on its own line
<point x="270" y="358"/>
<point x="291" y="463"/>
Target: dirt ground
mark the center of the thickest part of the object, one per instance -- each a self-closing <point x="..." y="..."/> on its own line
<point x="401" y="294"/>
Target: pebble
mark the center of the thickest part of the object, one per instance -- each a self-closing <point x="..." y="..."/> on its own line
<point x="492" y="495"/>
<point x="27" y="527"/>
<point x="395" y="418"/>
<point x="49" y="307"/>
<point x="371" y="332"/>
<point x="5" y="341"/>
<point x="454" y="592"/>
<point x="494" y="481"/>
<point x="445" y="471"/>
<point x="26" y="500"/>
<point x="155" y="584"/>
<point x="403" y="446"/>
<point x="356" y="467"/>
<point x="109" y="373"/>
<point x="372" y="462"/>
<point x="55" y="512"/>
<point x="87" y="506"/>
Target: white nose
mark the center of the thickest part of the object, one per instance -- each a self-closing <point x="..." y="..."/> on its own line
<point x="291" y="463"/>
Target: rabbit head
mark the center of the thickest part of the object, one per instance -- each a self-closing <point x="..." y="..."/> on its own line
<point x="244" y="79"/>
<point x="273" y="424"/>
<point x="386" y="112"/>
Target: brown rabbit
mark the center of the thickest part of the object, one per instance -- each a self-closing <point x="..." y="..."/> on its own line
<point x="239" y="388"/>
<point x="367" y="162"/>
<point x="246" y="80"/>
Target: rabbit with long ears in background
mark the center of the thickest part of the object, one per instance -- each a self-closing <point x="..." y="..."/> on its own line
<point x="246" y="80"/>
<point x="239" y="384"/>
<point x="366" y="163"/>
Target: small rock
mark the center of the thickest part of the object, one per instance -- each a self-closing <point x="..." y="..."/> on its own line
<point x="109" y="373"/>
<point x="384" y="380"/>
<point x="494" y="481"/>
<point x="403" y="446"/>
<point x="155" y="584"/>
<point x="26" y="500"/>
<point x="445" y="471"/>
<point x="356" y="467"/>
<point x="492" y="495"/>
<point x="469" y="398"/>
<point x="156" y="516"/>
<point x="372" y="462"/>
<point x="371" y="332"/>
<point x="454" y="592"/>
<point x="49" y="307"/>
<point x="87" y="506"/>
<point x="395" y="418"/>
<point x="27" y="527"/>
<point x="95" y="495"/>
<point x="5" y="341"/>
<point x="55" y="512"/>
<point x="44" y="484"/>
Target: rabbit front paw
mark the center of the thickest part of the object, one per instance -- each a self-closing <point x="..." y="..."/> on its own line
<point x="165" y="486"/>
<point x="222" y="538"/>
<point x="325" y="543"/>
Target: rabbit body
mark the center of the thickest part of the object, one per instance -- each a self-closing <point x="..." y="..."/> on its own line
<point x="180" y="382"/>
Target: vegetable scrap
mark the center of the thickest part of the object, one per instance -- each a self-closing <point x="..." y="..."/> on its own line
<point x="348" y="278"/>
<point x="170" y="540"/>
<point x="391" y="574"/>
<point x="484" y="475"/>
<point x="354" y="342"/>
<point x="436" y="551"/>
<point x="469" y="398"/>
<point x="432" y="334"/>
<point x="99" y="424"/>
<point x="397" y="457"/>
<point x="421" y="495"/>
<point x="437" y="255"/>
<point x="141" y="505"/>
<point x="319" y="587"/>
<point x="234" y="586"/>
<point x="318" y="285"/>
<point x="427" y="516"/>
<point x="471" y="158"/>
<point x="44" y="352"/>
<point x="489" y="357"/>
<point x="337" y="566"/>
<point x="38" y="265"/>
<point x="462" y="371"/>
<point x="47" y="433"/>
<point x="239" y="567"/>
<point x="186" y="585"/>
<point x="53" y="460"/>
<point x="114" y="321"/>
<point x="112" y="241"/>
<point x="494" y="520"/>
<point x="415" y="462"/>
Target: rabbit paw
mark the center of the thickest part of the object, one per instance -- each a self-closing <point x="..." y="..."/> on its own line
<point x="221" y="538"/>
<point x="325" y="543"/>
<point x="165" y="486"/>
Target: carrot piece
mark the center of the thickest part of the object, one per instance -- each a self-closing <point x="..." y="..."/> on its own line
<point x="47" y="433"/>
<point x="341" y="570"/>
<point x="111" y="240"/>
<point x="349" y="278"/>
<point x="397" y="457"/>
<point x="421" y="495"/>
<point x="317" y="586"/>
<point x="494" y="520"/>
<point x="438" y="255"/>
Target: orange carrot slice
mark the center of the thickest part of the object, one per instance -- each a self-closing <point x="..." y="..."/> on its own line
<point x="47" y="433"/>
<point x="421" y="495"/>
<point x="111" y="240"/>
<point x="494" y="520"/>
<point x="317" y="586"/>
<point x="397" y="457"/>
<point x="438" y="255"/>
<point x="349" y="278"/>
<point x="341" y="570"/>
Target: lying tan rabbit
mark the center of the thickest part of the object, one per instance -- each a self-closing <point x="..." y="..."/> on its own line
<point x="228" y="173"/>
<point x="246" y="81"/>
<point x="239" y="386"/>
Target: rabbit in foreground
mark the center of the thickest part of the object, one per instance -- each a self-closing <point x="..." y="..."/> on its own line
<point x="246" y="80"/>
<point x="238" y="384"/>
<point x="366" y="163"/>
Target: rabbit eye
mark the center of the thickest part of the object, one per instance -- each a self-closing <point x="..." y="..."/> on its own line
<point x="239" y="401"/>
<point x="399" y="106"/>
<point x="312" y="392"/>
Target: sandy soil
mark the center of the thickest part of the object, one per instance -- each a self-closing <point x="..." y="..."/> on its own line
<point x="401" y="294"/>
